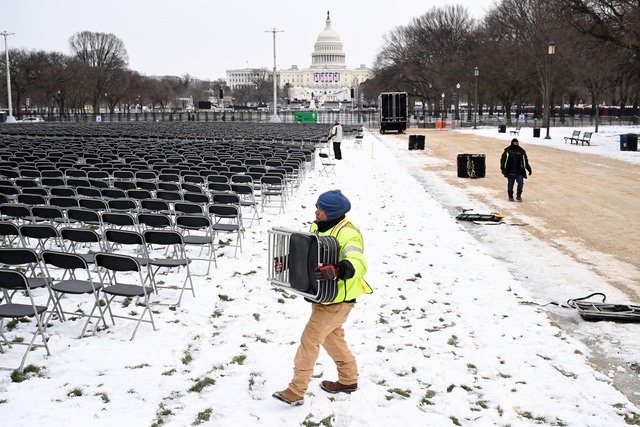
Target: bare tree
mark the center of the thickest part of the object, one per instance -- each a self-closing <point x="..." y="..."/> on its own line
<point x="105" y="56"/>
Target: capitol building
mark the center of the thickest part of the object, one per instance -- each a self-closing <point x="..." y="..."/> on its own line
<point x="327" y="80"/>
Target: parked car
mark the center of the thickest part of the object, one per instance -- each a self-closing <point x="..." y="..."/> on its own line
<point x="31" y="119"/>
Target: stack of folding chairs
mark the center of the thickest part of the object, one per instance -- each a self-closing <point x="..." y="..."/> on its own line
<point x="298" y="254"/>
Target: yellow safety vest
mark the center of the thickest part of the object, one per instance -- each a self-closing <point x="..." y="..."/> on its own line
<point x="351" y="246"/>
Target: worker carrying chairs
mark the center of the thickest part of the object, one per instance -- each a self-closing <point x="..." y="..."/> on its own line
<point x="293" y="257"/>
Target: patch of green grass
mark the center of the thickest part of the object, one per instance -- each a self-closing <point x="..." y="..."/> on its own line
<point x="203" y="417"/>
<point x="379" y="348"/>
<point x="187" y="357"/>
<point x="140" y="366"/>
<point x="104" y="397"/>
<point x="326" y="422"/>
<point x="201" y="384"/>
<point x="453" y="341"/>
<point x="75" y="392"/>
<point x="29" y="371"/>
<point x="256" y="316"/>
<point x="399" y="391"/>
<point x="169" y="372"/>
<point x="225" y="298"/>
<point x="455" y="421"/>
<point x="239" y="359"/>
<point x="426" y="399"/>
<point x="217" y="313"/>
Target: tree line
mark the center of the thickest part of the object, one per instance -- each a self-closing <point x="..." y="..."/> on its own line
<point x="506" y="54"/>
<point x="501" y="61"/>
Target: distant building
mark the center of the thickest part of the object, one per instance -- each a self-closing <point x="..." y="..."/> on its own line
<point x="328" y="78"/>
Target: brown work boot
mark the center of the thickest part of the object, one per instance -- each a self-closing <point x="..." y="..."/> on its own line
<point x="288" y="397"/>
<point x="336" y="387"/>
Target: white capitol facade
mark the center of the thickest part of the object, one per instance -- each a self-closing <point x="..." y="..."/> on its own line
<point x="328" y="79"/>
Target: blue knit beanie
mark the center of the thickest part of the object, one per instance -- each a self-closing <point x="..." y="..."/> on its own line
<point x="334" y="204"/>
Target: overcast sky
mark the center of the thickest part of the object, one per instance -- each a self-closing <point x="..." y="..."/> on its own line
<point x="206" y="37"/>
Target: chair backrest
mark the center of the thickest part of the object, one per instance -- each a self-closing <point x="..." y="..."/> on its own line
<point x="225" y="198"/>
<point x="170" y="196"/>
<point x="196" y="197"/>
<point x="117" y="262"/>
<point x="155" y="205"/>
<point x="64" y="202"/>
<point x="188" y="208"/>
<point x="13" y="280"/>
<point x="123" y="237"/>
<point x="93" y="204"/>
<point x="193" y="222"/>
<point x="139" y="194"/>
<point x="120" y="219"/>
<point x="154" y="220"/>
<point x="18" y="256"/>
<point x="113" y="193"/>
<point x="163" y="237"/>
<point x="80" y="235"/>
<point x="65" y="260"/>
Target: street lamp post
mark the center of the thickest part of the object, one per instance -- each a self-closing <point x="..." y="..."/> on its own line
<point x="547" y="109"/>
<point x="10" y="118"/>
<point x="274" y="118"/>
<point x="476" y="73"/>
<point x="442" y="108"/>
<point x="458" y="101"/>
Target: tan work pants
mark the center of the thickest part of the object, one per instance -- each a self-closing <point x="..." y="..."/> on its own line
<point x="324" y="328"/>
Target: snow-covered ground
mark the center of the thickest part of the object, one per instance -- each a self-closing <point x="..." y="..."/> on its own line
<point x="455" y="333"/>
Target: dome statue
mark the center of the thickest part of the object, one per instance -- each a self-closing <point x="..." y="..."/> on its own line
<point x="328" y="51"/>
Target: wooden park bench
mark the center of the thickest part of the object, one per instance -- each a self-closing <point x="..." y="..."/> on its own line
<point x="586" y="138"/>
<point x="516" y="131"/>
<point x="574" y="137"/>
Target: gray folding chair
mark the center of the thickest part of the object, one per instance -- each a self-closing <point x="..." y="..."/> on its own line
<point x="196" y="231"/>
<point x="165" y="250"/>
<point x="17" y="283"/>
<point x="76" y="279"/>
<point x="112" y="269"/>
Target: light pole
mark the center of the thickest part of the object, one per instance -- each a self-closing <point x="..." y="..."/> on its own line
<point x="274" y="118"/>
<point x="547" y="109"/>
<point x="476" y="73"/>
<point x="458" y="101"/>
<point x="442" y="108"/>
<point x="10" y="118"/>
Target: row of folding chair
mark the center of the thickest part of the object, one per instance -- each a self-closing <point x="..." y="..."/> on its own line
<point x="36" y="284"/>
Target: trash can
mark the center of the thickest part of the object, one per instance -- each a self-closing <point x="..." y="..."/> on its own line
<point x="412" y="142"/>
<point x="419" y="142"/>
<point x="471" y="166"/>
<point x="536" y="132"/>
<point x="623" y="142"/>
<point x="632" y="142"/>
<point x="502" y="128"/>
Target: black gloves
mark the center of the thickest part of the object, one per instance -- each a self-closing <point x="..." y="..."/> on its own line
<point x="326" y="272"/>
<point x="343" y="270"/>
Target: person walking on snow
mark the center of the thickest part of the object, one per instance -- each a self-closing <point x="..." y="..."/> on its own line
<point x="324" y="327"/>
<point x="335" y="136"/>
<point x="514" y="165"/>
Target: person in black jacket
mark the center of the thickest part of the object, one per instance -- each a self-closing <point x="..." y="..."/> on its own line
<point x="515" y="165"/>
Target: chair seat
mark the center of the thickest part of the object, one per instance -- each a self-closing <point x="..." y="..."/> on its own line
<point x="198" y="240"/>
<point x="20" y="310"/>
<point x="226" y="227"/>
<point x="76" y="286"/>
<point x="38" y="282"/>
<point x="169" y="262"/>
<point x="123" y="290"/>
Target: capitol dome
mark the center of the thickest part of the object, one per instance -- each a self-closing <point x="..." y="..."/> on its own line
<point x="328" y="51"/>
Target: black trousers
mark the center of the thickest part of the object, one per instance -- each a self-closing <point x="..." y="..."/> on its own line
<point x="337" y="152"/>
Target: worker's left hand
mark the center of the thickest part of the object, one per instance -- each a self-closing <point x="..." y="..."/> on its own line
<point x="326" y="272"/>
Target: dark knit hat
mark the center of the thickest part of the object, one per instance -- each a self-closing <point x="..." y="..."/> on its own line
<point x="334" y="204"/>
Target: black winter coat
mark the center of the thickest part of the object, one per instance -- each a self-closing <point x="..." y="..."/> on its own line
<point x="514" y="161"/>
